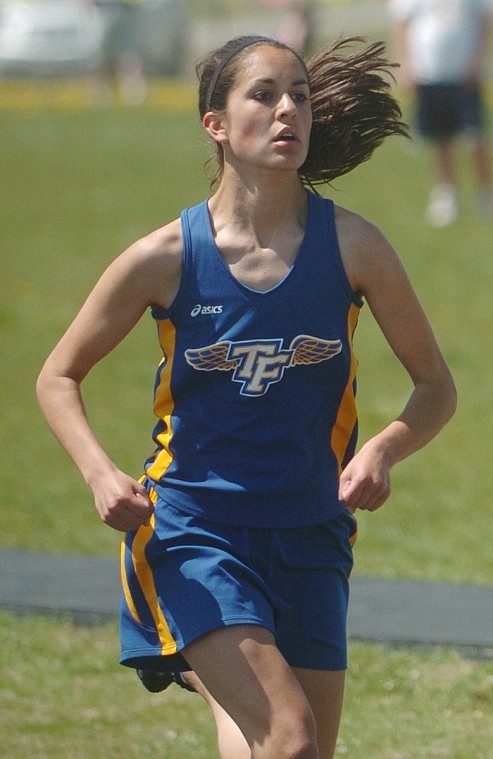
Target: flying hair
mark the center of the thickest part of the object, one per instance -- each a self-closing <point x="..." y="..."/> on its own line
<point x="353" y="108"/>
<point x="350" y="92"/>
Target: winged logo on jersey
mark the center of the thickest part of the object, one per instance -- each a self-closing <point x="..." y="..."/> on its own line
<point x="256" y="364"/>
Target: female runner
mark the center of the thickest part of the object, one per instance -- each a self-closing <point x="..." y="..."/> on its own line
<point x="238" y="541"/>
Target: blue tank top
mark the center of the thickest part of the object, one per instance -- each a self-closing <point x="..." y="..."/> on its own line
<point x="255" y="394"/>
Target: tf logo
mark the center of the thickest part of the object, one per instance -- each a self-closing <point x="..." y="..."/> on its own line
<point x="256" y="364"/>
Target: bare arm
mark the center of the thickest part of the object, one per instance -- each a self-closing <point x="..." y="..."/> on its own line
<point x="145" y="274"/>
<point x="401" y="43"/>
<point x="375" y="270"/>
<point x="478" y="63"/>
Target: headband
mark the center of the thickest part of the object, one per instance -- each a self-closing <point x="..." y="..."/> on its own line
<point x="224" y="62"/>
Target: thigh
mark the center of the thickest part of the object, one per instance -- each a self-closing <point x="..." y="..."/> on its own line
<point x="230" y="740"/>
<point x="324" y="693"/>
<point x="244" y="672"/>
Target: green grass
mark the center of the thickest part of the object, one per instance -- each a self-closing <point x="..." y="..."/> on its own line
<point x="79" y="185"/>
<point x="64" y="697"/>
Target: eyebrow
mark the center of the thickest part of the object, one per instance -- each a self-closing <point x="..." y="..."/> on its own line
<point x="269" y="80"/>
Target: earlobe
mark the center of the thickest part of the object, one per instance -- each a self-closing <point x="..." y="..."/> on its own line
<point x="214" y="126"/>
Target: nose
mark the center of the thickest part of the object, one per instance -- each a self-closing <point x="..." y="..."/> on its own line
<point x="287" y="106"/>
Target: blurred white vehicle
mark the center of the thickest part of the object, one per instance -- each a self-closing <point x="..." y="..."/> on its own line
<point x="48" y="37"/>
<point x="64" y="37"/>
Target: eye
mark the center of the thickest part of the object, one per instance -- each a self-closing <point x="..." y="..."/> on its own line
<point x="262" y="95"/>
<point x="299" y="97"/>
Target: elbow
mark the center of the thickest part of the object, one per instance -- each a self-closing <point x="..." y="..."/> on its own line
<point x="54" y="383"/>
<point x="47" y="382"/>
<point x="41" y="385"/>
<point x="448" y="397"/>
<point x="454" y="399"/>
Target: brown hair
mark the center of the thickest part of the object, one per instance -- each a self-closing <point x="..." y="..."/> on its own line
<point x="353" y="108"/>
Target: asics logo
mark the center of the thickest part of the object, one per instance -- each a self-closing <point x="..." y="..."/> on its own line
<point x="257" y="364"/>
<point x="200" y="309"/>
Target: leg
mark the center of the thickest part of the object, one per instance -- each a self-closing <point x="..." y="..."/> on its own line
<point x="443" y="205"/>
<point x="244" y="672"/>
<point x="481" y="160"/>
<point x="231" y="741"/>
<point x="481" y="163"/>
<point x="445" y="173"/>
<point x="437" y="119"/>
<point x="324" y="691"/>
<point x="474" y="127"/>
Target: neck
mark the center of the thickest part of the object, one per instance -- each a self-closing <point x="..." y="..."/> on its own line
<point x="260" y="204"/>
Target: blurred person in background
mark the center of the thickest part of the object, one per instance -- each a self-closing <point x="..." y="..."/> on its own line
<point x="121" y="65"/>
<point x="442" y="47"/>
<point x="296" y="26"/>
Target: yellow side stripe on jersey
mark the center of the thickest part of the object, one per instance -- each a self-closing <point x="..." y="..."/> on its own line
<point x="163" y="400"/>
<point x="347" y="415"/>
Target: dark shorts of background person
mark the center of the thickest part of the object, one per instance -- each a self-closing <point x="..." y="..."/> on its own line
<point x="446" y="110"/>
<point x="204" y="576"/>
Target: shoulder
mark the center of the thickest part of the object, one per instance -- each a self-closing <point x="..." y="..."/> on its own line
<point x="154" y="262"/>
<point x="367" y="255"/>
<point x="163" y="245"/>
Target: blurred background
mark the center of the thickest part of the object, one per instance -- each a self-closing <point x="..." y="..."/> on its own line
<point x="42" y="38"/>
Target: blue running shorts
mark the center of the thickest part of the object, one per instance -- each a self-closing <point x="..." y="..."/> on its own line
<point x="184" y="576"/>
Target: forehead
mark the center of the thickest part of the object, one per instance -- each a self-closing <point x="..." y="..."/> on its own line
<point x="269" y="62"/>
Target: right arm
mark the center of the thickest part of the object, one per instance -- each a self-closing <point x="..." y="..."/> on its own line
<point x="146" y="274"/>
<point x="401" y="43"/>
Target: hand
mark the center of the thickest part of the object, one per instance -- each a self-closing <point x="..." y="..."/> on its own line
<point x="122" y="502"/>
<point x="365" y="482"/>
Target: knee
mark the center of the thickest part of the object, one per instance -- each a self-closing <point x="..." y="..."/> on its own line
<point x="297" y="739"/>
<point x="304" y="750"/>
<point x="300" y="749"/>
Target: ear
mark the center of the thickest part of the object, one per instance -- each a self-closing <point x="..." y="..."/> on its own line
<point x="214" y="125"/>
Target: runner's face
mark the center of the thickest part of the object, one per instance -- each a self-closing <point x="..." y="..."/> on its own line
<point x="268" y="114"/>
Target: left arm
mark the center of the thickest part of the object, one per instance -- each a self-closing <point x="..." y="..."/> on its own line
<point x="375" y="271"/>
<point x="478" y="63"/>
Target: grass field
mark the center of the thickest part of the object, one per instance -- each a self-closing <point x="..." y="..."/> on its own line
<point x="77" y="186"/>
<point x="64" y="697"/>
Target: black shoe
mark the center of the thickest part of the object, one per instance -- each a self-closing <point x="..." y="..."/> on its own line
<point x="155" y="682"/>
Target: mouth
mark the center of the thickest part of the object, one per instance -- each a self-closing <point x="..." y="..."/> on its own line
<point x="286" y="136"/>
